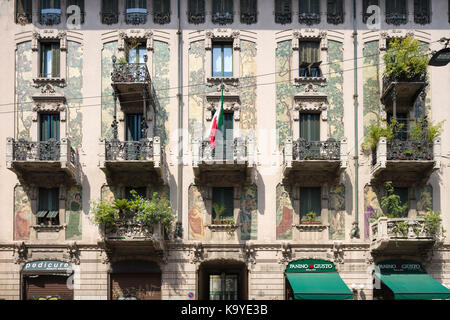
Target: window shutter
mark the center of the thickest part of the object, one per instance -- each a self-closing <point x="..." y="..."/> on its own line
<point x="286" y="6"/>
<point x="143" y="4"/>
<point x="44" y="127"/>
<point x="55" y="60"/>
<point x="54" y="198"/>
<point x="55" y="126"/>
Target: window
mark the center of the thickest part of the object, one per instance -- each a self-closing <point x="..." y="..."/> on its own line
<point x="366" y="5"/>
<point x="402" y="118"/>
<point x="310" y="126"/>
<point x="249" y="11"/>
<point x="48" y="207"/>
<point x="222" y="54"/>
<point x="80" y="4"/>
<point x="283" y="11"/>
<point x="141" y="192"/>
<point x="49" y="148"/>
<point x="50" y="12"/>
<point x="225" y="143"/>
<point x="196" y="11"/>
<point x="403" y="194"/>
<point x="133" y="127"/>
<point x="310" y="201"/>
<point x="309" y="55"/>
<point x="309" y="11"/>
<point x="223" y="286"/>
<point x="24" y="11"/>
<point x="223" y="197"/>
<point x="137" y="53"/>
<point x="222" y="11"/>
<point x="110" y="11"/>
<point x="396" y="12"/>
<point x="335" y="11"/>
<point x="136" y="12"/>
<point x="161" y="11"/>
<point x="50" y="61"/>
<point x="422" y="12"/>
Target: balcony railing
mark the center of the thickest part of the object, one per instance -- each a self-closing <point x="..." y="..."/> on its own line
<point x="309" y="18"/>
<point x="50" y="18"/>
<point x="387" y="81"/>
<point x="396" y="18"/>
<point x="50" y="150"/>
<point x="129" y="229"/>
<point x="196" y="17"/>
<point x="236" y="151"/>
<point x="400" y="228"/>
<point x="148" y="149"/>
<point x="283" y="17"/>
<point x="136" y="16"/>
<point x="316" y="150"/>
<point x="161" y="17"/>
<point x="222" y="18"/>
<point x="130" y="73"/>
<point x="110" y="17"/>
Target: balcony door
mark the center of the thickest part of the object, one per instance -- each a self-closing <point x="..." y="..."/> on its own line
<point x="49" y="127"/>
<point x="225" y="142"/>
<point x="136" y="54"/>
<point x="133" y="136"/>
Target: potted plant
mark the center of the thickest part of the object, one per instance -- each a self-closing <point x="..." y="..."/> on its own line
<point x="219" y="209"/>
<point x="310" y="218"/>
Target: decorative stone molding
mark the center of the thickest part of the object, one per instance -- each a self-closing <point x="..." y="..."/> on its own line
<point x="286" y="253"/>
<point x="137" y="34"/>
<point x="226" y="34"/>
<point x="21" y="253"/>
<point x="308" y="35"/>
<point x="73" y="253"/>
<point x="338" y="252"/>
<point x="249" y="254"/>
<point x="197" y="253"/>
<point x="394" y="33"/>
<point x="231" y="104"/>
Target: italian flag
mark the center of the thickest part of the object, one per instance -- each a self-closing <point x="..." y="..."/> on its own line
<point x="216" y="123"/>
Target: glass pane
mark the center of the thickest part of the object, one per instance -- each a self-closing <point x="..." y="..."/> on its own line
<point x="215" y="287"/>
<point x="223" y="197"/>
<point x="228" y="61"/>
<point x="217" y="61"/>
<point x="310" y="200"/>
<point x="133" y="127"/>
<point x="310" y="126"/>
<point x="231" y="286"/>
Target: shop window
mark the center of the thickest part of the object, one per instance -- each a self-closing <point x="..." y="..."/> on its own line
<point x="222" y="54"/>
<point x="335" y="11"/>
<point x="366" y="5"/>
<point x="24" y="11"/>
<point x="310" y="126"/>
<point x="396" y="12"/>
<point x="310" y="201"/>
<point x="223" y="286"/>
<point x="422" y="12"/>
<point x="110" y="11"/>
<point x="50" y="12"/>
<point x="196" y="11"/>
<point x="283" y="11"/>
<point x="309" y="11"/>
<point x="309" y="55"/>
<point x="222" y="11"/>
<point x="136" y="12"/>
<point x="48" y="207"/>
<point x="79" y="4"/>
<point x="222" y="198"/>
<point x="50" y="60"/>
<point x="161" y="11"/>
<point x="403" y="194"/>
<point x="249" y="12"/>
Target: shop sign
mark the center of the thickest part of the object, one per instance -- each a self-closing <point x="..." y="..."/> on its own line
<point x="47" y="265"/>
<point x="399" y="267"/>
<point x="310" y="265"/>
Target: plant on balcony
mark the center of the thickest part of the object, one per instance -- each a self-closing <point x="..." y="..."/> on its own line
<point x="378" y="130"/>
<point x="150" y="212"/>
<point x="310" y="218"/>
<point x="433" y="225"/>
<point x="433" y="130"/>
<point x="405" y="60"/>
<point x="392" y="203"/>
<point x="219" y="209"/>
<point x="105" y="214"/>
<point x="401" y="227"/>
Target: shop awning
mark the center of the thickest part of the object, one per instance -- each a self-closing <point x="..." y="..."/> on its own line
<point x="409" y="281"/>
<point x="319" y="286"/>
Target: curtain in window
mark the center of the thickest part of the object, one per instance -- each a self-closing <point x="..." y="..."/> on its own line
<point x="49" y="126"/>
<point x="223" y="196"/>
<point x="309" y="6"/>
<point x="133" y="124"/>
<point x="309" y="52"/>
<point x="55" y="60"/>
<point x="310" y="200"/>
<point x="310" y="126"/>
<point x="48" y="199"/>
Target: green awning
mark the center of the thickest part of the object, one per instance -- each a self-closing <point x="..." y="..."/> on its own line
<point x="319" y="286"/>
<point x="409" y="281"/>
<point x="41" y="214"/>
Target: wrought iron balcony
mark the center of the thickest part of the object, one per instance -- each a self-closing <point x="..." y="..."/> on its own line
<point x="136" y="18"/>
<point x="309" y="18"/>
<point x="161" y="17"/>
<point x="130" y="72"/>
<point x="196" y="17"/>
<point x="51" y="156"/>
<point x="222" y="18"/>
<point x="408" y="159"/>
<point x="400" y="235"/>
<point x="283" y="18"/>
<point x="422" y="17"/>
<point x="312" y="157"/>
<point x="128" y="231"/>
<point x="50" y="18"/>
<point x="335" y="18"/>
<point x="109" y="17"/>
<point x="249" y="17"/>
<point x="402" y="91"/>
<point x="396" y="18"/>
<point x="24" y="18"/>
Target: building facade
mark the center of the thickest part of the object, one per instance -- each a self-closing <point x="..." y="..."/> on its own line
<point x="101" y="97"/>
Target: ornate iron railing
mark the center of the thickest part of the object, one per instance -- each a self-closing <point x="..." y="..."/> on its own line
<point x="422" y="17"/>
<point x="110" y="17"/>
<point x="130" y="229"/>
<point x="129" y="150"/>
<point x="49" y="19"/>
<point x="135" y="18"/>
<point x="196" y="17"/>
<point x="283" y="17"/>
<point x="316" y="150"/>
<point x="227" y="150"/>
<point x="409" y="149"/>
<point x="222" y="18"/>
<point x="396" y="18"/>
<point x="417" y="78"/>
<point x="309" y="18"/>
<point x="161" y="17"/>
<point x="398" y="228"/>
<point x="130" y="72"/>
<point x="335" y="18"/>
<point x="249" y="17"/>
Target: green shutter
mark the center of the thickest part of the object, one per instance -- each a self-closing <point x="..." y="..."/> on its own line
<point x="55" y="60"/>
<point x="111" y="6"/>
<point x="197" y="6"/>
<point x="310" y="126"/>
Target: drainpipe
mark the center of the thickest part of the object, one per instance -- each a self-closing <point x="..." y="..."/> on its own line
<point x="355" y="227"/>
<point x="180" y="126"/>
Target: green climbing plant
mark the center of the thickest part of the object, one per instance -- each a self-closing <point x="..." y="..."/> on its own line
<point x="378" y="130"/>
<point x="392" y="203"/>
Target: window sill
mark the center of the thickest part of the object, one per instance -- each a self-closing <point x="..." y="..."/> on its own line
<point x="223" y="227"/>
<point x="226" y="80"/>
<point x="48" y="228"/>
<point x="303" y="80"/>
<point x="311" y="227"/>
<point x="58" y="81"/>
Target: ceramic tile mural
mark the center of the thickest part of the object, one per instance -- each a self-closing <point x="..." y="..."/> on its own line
<point x="424" y="198"/>
<point x="336" y="212"/>
<point x="284" y="213"/>
<point x="248" y="218"/>
<point x="371" y="89"/>
<point x="23" y="215"/>
<point x="197" y="213"/>
<point x="196" y="61"/>
<point x="372" y="206"/>
<point x="247" y="86"/>
<point x="24" y="90"/>
<point x="160" y="79"/>
<point x="73" y="92"/>
<point x="74" y="208"/>
<point x="109" y="193"/>
<point x="109" y="49"/>
<point x="285" y="90"/>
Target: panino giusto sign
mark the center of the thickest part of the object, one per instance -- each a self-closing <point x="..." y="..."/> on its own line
<point x="396" y="266"/>
<point x="310" y="265"/>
